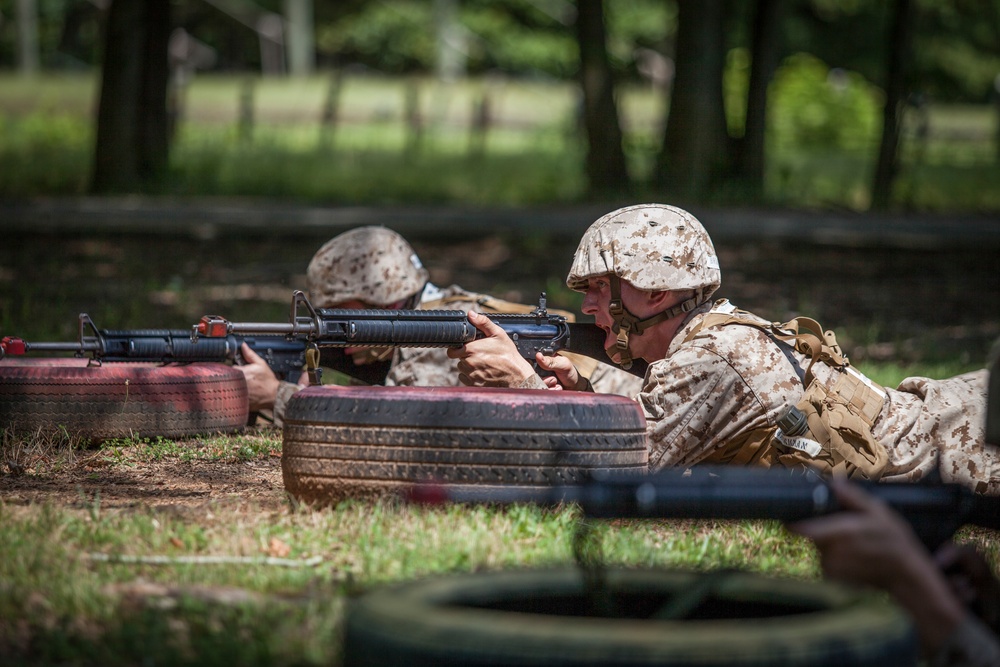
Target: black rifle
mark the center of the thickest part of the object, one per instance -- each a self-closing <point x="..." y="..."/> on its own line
<point x="934" y="509"/>
<point x="537" y="331"/>
<point x="285" y="357"/>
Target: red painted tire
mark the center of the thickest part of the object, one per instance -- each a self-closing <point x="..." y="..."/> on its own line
<point x="342" y="442"/>
<point x="120" y="400"/>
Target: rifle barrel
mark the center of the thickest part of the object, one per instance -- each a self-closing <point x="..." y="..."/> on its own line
<point x="935" y="510"/>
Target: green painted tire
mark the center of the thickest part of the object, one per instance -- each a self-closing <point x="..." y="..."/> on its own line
<point x="541" y="618"/>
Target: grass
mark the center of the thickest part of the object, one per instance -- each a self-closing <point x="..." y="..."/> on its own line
<point x="60" y="603"/>
<point x="280" y="147"/>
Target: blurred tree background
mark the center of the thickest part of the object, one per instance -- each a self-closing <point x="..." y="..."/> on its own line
<point x="850" y="104"/>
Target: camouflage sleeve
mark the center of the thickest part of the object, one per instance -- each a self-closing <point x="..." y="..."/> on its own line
<point x="607" y="379"/>
<point x="694" y="401"/>
<point x="285" y="391"/>
<point x="972" y="644"/>
<point x="423" y="367"/>
<point x="531" y="382"/>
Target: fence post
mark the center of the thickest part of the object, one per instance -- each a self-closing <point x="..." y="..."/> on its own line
<point x="245" y="125"/>
<point x="331" y="110"/>
<point x="414" y="122"/>
<point x="996" y="103"/>
<point x="480" y="125"/>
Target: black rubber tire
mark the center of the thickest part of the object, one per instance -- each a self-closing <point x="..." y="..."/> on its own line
<point x="122" y="399"/>
<point x="342" y="442"/>
<point x="537" y="618"/>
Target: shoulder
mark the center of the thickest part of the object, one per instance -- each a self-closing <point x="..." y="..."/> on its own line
<point x="452" y="297"/>
<point x="707" y="334"/>
<point x="739" y="349"/>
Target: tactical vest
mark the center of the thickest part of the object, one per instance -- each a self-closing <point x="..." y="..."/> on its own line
<point x="840" y="417"/>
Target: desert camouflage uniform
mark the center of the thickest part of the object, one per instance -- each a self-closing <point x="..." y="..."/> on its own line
<point x="720" y="385"/>
<point x="731" y="380"/>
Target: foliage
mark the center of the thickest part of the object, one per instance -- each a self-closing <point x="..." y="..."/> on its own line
<point x="956" y="52"/>
<point x="956" y="45"/>
<point x="818" y="108"/>
<point x="498" y="40"/>
<point x="51" y="151"/>
<point x="396" y="36"/>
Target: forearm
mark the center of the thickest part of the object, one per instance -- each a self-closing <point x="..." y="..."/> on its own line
<point x="971" y="644"/>
<point x="285" y="391"/>
<point x="924" y="593"/>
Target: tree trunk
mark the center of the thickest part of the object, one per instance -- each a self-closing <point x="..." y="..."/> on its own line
<point x="750" y="164"/>
<point x="154" y="123"/>
<point x="299" y="41"/>
<point x="900" y="39"/>
<point x="132" y="144"/>
<point x="695" y="139"/>
<point x="605" y="162"/>
<point x="28" y="58"/>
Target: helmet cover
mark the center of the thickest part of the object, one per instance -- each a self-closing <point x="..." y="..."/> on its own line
<point x="651" y="246"/>
<point x="371" y="264"/>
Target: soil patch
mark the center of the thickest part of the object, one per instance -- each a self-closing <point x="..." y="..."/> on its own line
<point x="92" y="478"/>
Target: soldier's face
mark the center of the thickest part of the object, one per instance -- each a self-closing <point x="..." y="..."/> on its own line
<point x="597" y="299"/>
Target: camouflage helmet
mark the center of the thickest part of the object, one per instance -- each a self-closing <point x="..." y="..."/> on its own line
<point x="371" y="264"/>
<point x="652" y="246"/>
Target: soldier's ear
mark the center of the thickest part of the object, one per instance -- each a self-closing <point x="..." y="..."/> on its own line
<point x="660" y="299"/>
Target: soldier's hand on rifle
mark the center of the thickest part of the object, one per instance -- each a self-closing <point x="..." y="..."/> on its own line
<point x="492" y="361"/>
<point x="262" y="383"/>
<point x="564" y="373"/>
<point x="870" y="544"/>
<point x="971" y="579"/>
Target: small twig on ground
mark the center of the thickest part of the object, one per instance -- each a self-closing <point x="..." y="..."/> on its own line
<point x="203" y="560"/>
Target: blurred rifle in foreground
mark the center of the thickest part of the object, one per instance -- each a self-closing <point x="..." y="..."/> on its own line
<point x="537" y="331"/>
<point x="935" y="510"/>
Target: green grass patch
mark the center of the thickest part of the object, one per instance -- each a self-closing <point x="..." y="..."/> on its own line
<point x="532" y="153"/>
<point x="71" y="606"/>
<point x="889" y="374"/>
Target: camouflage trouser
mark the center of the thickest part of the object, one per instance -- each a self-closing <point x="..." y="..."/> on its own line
<point x="952" y="418"/>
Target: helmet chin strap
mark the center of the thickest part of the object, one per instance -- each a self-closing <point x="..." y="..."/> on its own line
<point x="625" y="323"/>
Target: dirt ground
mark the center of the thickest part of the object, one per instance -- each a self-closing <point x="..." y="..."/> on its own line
<point x="88" y="477"/>
<point x="908" y="305"/>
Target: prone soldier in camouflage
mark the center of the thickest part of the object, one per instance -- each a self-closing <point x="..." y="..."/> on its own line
<point x="375" y="267"/>
<point x="721" y="380"/>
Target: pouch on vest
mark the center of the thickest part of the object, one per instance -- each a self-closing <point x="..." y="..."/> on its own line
<point x="849" y="446"/>
<point x="840" y="418"/>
